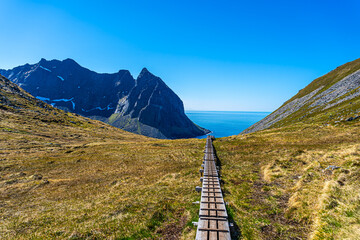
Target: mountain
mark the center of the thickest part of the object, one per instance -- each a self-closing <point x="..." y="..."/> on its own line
<point x="330" y="99"/>
<point x="65" y="176"/>
<point x="58" y="168"/>
<point x="153" y="109"/>
<point x="21" y="113"/>
<point x="145" y="105"/>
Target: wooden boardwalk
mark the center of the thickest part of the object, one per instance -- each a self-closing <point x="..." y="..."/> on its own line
<point x="213" y="219"/>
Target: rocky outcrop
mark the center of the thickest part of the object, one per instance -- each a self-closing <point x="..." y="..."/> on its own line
<point x="329" y="94"/>
<point x="281" y="113"/>
<point x="149" y="109"/>
<point x="339" y="92"/>
<point x="68" y="86"/>
<point x="145" y="105"/>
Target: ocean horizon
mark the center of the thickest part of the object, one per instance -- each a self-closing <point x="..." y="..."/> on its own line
<point x="225" y="123"/>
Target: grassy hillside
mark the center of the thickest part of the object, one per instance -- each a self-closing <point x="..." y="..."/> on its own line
<point x="299" y="179"/>
<point x="280" y="185"/>
<point x="64" y="176"/>
<point x="67" y="177"/>
<point x="328" y="79"/>
<point x="335" y="114"/>
<point x="330" y="99"/>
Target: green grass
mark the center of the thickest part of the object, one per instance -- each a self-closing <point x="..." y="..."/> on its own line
<point x="277" y="187"/>
<point x="328" y="79"/>
<point x="335" y="115"/>
<point x="99" y="182"/>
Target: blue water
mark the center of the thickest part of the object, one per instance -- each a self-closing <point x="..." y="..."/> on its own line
<point x="224" y="124"/>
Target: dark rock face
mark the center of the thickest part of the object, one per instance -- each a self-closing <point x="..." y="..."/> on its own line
<point x="68" y="86"/>
<point x="153" y="104"/>
<point x="145" y="106"/>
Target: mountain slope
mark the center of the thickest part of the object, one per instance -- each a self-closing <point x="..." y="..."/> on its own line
<point x="299" y="181"/>
<point x="299" y="178"/>
<point x="153" y="117"/>
<point x="145" y="106"/>
<point x="330" y="99"/>
<point x="64" y="176"/>
<point x="21" y="113"/>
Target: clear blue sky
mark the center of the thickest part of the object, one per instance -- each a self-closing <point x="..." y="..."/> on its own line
<point x="216" y="55"/>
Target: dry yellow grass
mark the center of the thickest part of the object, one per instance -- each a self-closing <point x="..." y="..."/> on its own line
<point x="84" y="179"/>
<point x="63" y="176"/>
<point x="111" y="184"/>
<point x="278" y="188"/>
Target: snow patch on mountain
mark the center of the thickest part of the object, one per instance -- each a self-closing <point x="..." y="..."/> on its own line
<point x="43" y="98"/>
<point x="46" y="69"/>
<point x="57" y="100"/>
<point x="99" y="108"/>
<point x="65" y="100"/>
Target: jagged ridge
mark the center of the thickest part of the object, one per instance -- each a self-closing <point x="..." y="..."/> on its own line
<point x="145" y="106"/>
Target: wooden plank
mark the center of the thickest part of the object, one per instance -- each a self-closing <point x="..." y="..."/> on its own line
<point x="212" y="209"/>
<point x="212" y="229"/>
<point x="204" y="205"/>
<point x="221" y="206"/>
<point x="202" y="235"/>
<point x="213" y="223"/>
<point x="224" y="226"/>
<point x="222" y="214"/>
<point x="214" y="218"/>
<point x="213" y="234"/>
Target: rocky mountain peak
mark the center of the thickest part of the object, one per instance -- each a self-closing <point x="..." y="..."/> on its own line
<point x="144" y="71"/>
<point x="71" y="62"/>
<point x="146" y="105"/>
<point x="146" y="78"/>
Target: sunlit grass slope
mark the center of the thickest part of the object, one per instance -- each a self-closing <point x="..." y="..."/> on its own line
<point x="339" y="112"/>
<point x="280" y="183"/>
<point x="64" y="176"/>
<point x="330" y="99"/>
<point x="329" y="79"/>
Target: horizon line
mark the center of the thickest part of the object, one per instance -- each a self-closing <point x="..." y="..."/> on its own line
<point x="186" y="110"/>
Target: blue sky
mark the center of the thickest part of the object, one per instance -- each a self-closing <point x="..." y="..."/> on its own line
<point x="216" y="55"/>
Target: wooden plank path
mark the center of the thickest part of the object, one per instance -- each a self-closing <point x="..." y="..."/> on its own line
<point x="213" y="221"/>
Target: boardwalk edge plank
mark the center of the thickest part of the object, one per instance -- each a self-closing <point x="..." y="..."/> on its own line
<point x="213" y="221"/>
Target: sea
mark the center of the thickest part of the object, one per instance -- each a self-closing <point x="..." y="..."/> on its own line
<point x="225" y="123"/>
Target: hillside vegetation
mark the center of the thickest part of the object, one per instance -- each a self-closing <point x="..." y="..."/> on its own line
<point x="64" y="176"/>
<point x="145" y="105"/>
<point x="67" y="177"/>
<point x="329" y="79"/>
<point x="296" y="182"/>
<point x="330" y="99"/>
